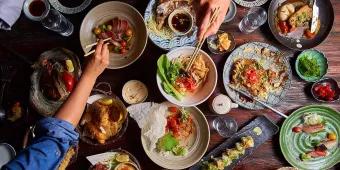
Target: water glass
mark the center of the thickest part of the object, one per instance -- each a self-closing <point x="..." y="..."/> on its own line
<point x="225" y="126"/>
<point x="55" y="21"/>
<point x="255" y="17"/>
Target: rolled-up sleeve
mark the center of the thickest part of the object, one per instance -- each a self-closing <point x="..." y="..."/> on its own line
<point x="53" y="138"/>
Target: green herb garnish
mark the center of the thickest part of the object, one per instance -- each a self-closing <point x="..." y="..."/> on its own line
<point x="167" y="143"/>
<point x="309" y="66"/>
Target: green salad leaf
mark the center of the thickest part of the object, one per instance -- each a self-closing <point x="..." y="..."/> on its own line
<point x="309" y="67"/>
<point x="167" y="143"/>
<point x="164" y="70"/>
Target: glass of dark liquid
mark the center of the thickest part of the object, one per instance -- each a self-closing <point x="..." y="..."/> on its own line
<point x="40" y="10"/>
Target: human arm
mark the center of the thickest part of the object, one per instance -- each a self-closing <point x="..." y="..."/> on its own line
<point x="204" y="10"/>
<point x="54" y="136"/>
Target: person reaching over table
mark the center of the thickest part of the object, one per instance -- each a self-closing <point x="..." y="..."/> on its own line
<point x="204" y="10"/>
<point x="55" y="135"/>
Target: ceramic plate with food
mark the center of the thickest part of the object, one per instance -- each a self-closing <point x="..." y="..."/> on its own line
<point x="156" y="19"/>
<point x="104" y="121"/>
<point x="250" y="3"/>
<point x="309" y="138"/>
<point x="117" y="159"/>
<point x="290" y="22"/>
<point x="178" y="139"/>
<point x="260" y="70"/>
<point x="54" y="78"/>
<point x="237" y="147"/>
<point x="120" y="22"/>
<point x="186" y="88"/>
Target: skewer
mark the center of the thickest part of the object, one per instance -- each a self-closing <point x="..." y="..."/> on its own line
<point x="200" y="43"/>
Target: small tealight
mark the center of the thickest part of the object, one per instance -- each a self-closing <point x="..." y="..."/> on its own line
<point x="134" y="92"/>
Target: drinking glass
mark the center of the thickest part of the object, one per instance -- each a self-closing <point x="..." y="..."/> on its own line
<point x="55" y="21"/>
<point x="225" y="126"/>
<point x="255" y="17"/>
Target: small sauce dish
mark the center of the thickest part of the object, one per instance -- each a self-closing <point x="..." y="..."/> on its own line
<point x="326" y="90"/>
<point x="180" y="21"/>
<point x="221" y="42"/>
<point x="134" y="92"/>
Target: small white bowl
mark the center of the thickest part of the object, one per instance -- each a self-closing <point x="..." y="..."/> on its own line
<point x="133" y="89"/>
<point x="207" y="88"/>
<point x="180" y="11"/>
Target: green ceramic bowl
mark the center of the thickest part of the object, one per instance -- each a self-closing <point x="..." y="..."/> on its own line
<point x="320" y="59"/>
<point x="293" y="144"/>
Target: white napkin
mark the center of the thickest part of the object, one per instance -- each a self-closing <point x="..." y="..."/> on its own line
<point x="10" y="11"/>
<point x="140" y="111"/>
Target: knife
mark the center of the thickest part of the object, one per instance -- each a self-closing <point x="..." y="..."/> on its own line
<point x="315" y="17"/>
<point x="263" y="103"/>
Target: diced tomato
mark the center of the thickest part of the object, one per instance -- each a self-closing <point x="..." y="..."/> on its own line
<point x="123" y="43"/>
<point x="187" y="82"/>
<point x="173" y="109"/>
<point x="173" y="125"/>
<point x="283" y="27"/>
<point x="251" y="75"/>
<point x="309" y="34"/>
<point x="324" y="92"/>
<point x="123" y="50"/>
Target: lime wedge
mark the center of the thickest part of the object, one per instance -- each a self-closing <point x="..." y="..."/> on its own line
<point x="122" y="158"/>
<point x="69" y="66"/>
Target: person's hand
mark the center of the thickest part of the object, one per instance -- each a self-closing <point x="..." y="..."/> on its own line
<point x="98" y="62"/>
<point x="204" y="10"/>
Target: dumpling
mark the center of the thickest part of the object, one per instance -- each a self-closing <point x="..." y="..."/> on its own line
<point x="286" y="11"/>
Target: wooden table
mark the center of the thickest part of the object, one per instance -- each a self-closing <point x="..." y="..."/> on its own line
<point x="31" y="39"/>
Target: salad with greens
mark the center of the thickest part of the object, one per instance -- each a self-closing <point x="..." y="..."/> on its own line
<point x="176" y="81"/>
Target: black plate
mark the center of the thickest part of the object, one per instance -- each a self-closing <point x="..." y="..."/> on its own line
<point x="268" y="130"/>
<point x="326" y="15"/>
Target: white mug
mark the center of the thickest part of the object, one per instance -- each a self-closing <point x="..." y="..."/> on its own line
<point x="221" y="104"/>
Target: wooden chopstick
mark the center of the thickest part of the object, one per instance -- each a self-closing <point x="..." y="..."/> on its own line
<point x="93" y="44"/>
<point x="200" y="43"/>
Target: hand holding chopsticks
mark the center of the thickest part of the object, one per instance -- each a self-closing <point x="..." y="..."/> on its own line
<point x="93" y="44"/>
<point x="200" y="42"/>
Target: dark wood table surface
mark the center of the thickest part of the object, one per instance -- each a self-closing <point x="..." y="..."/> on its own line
<point x="31" y="39"/>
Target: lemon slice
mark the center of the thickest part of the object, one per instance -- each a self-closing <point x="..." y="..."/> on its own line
<point x="106" y="101"/>
<point x="69" y="66"/>
<point x="122" y="158"/>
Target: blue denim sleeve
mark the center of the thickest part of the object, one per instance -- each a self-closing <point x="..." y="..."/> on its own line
<point x="53" y="138"/>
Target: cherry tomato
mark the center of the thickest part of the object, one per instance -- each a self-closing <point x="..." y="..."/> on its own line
<point x="97" y="31"/>
<point x="123" y="50"/>
<point x="173" y="109"/>
<point x="123" y="43"/>
<point x="309" y="34"/>
<point x="128" y="32"/>
<point x="297" y="129"/>
<point x="68" y="81"/>
<point x="283" y="27"/>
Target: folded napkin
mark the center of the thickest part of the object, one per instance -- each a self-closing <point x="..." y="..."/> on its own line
<point x="10" y="11"/>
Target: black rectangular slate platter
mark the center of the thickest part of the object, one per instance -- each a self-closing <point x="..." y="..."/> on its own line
<point x="268" y="130"/>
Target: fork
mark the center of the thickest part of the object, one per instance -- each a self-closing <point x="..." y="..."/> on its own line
<point x="6" y="72"/>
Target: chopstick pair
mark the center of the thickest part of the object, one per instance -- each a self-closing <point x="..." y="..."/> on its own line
<point x="200" y="43"/>
<point x="93" y="44"/>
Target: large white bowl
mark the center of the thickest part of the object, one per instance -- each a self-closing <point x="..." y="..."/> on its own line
<point x="207" y="88"/>
<point x="195" y="152"/>
<point x="105" y="12"/>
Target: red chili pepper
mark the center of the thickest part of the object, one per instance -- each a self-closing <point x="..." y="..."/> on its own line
<point x="68" y="81"/>
<point x="283" y="27"/>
